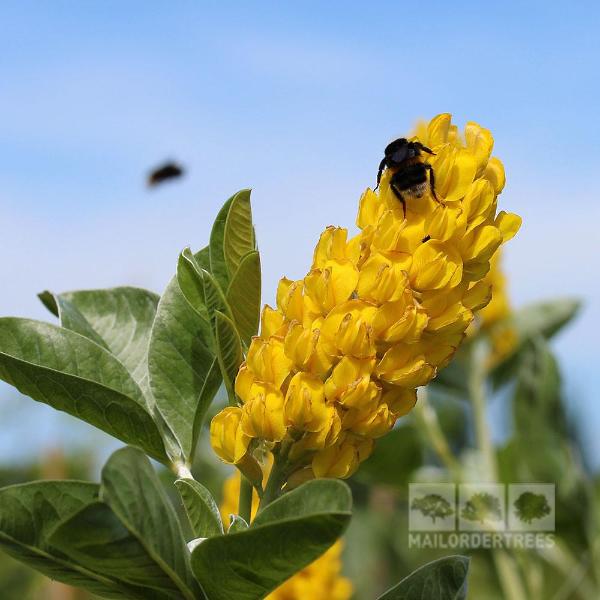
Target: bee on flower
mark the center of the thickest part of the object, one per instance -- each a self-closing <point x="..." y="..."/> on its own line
<point x="339" y="358"/>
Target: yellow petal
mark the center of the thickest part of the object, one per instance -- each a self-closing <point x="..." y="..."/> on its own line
<point x="508" y="224"/>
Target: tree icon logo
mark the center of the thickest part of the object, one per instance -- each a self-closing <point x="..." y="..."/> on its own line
<point x="482" y="507"/>
<point x="433" y="506"/>
<point x="530" y="507"/>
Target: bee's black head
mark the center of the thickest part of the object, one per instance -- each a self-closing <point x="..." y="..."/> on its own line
<point x="401" y="149"/>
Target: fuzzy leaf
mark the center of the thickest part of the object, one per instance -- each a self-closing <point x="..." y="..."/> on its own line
<point x="443" y="579"/>
<point x="229" y="351"/>
<point x="180" y="365"/>
<point x="134" y="493"/>
<point x="243" y="296"/>
<point x="239" y="233"/>
<point x="29" y="515"/>
<point x="218" y="264"/>
<point x="70" y="373"/>
<point x="119" y="319"/>
<point x="200" y="507"/>
<point x="286" y="536"/>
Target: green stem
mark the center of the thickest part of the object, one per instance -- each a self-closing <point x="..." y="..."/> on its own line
<point x="245" y="506"/>
<point x="429" y="425"/>
<point x="277" y="477"/>
<point x="476" y="384"/>
<point x="508" y="572"/>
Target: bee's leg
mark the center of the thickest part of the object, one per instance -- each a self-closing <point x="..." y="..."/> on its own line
<point x="432" y="182"/>
<point x="398" y="193"/>
<point x="380" y="172"/>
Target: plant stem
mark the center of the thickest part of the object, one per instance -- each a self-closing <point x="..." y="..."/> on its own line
<point x="277" y="477"/>
<point x="476" y="384"/>
<point x="182" y="470"/>
<point x="430" y="426"/>
<point x="245" y="505"/>
<point x="508" y="572"/>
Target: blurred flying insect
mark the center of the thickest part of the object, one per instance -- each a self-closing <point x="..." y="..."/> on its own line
<point x="409" y="180"/>
<point x="165" y="172"/>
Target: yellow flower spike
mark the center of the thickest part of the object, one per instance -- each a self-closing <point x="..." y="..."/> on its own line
<point x="435" y="265"/>
<point x="262" y="416"/>
<point x="378" y="315"/>
<point x="226" y="437"/>
<point x="267" y="361"/>
<point x="405" y="366"/>
<point x="305" y="408"/>
<point x="508" y="224"/>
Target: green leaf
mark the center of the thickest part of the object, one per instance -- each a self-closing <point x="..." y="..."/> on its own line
<point x="107" y="548"/>
<point x="189" y="277"/>
<point x="218" y="265"/>
<point x="214" y="297"/>
<point x="70" y="373"/>
<point x="544" y="319"/>
<point x="237" y="524"/>
<point x="134" y="493"/>
<point x="286" y="536"/>
<point x="119" y="319"/>
<point x="239" y="233"/>
<point x="29" y="515"/>
<point x="70" y="317"/>
<point x="180" y="364"/>
<point x="443" y="579"/>
<point x="229" y="352"/>
<point x="200" y="507"/>
<point x="243" y="296"/>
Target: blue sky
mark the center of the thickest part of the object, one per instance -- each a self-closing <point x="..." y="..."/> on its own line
<point x="297" y="102"/>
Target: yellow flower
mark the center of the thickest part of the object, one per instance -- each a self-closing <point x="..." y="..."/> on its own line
<point x="321" y="580"/>
<point x="379" y="314"/>
<point x="226" y="436"/>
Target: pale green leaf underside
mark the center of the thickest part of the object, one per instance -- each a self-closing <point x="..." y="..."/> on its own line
<point x="200" y="507"/>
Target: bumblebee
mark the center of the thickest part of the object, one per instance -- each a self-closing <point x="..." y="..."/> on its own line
<point x="409" y="179"/>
